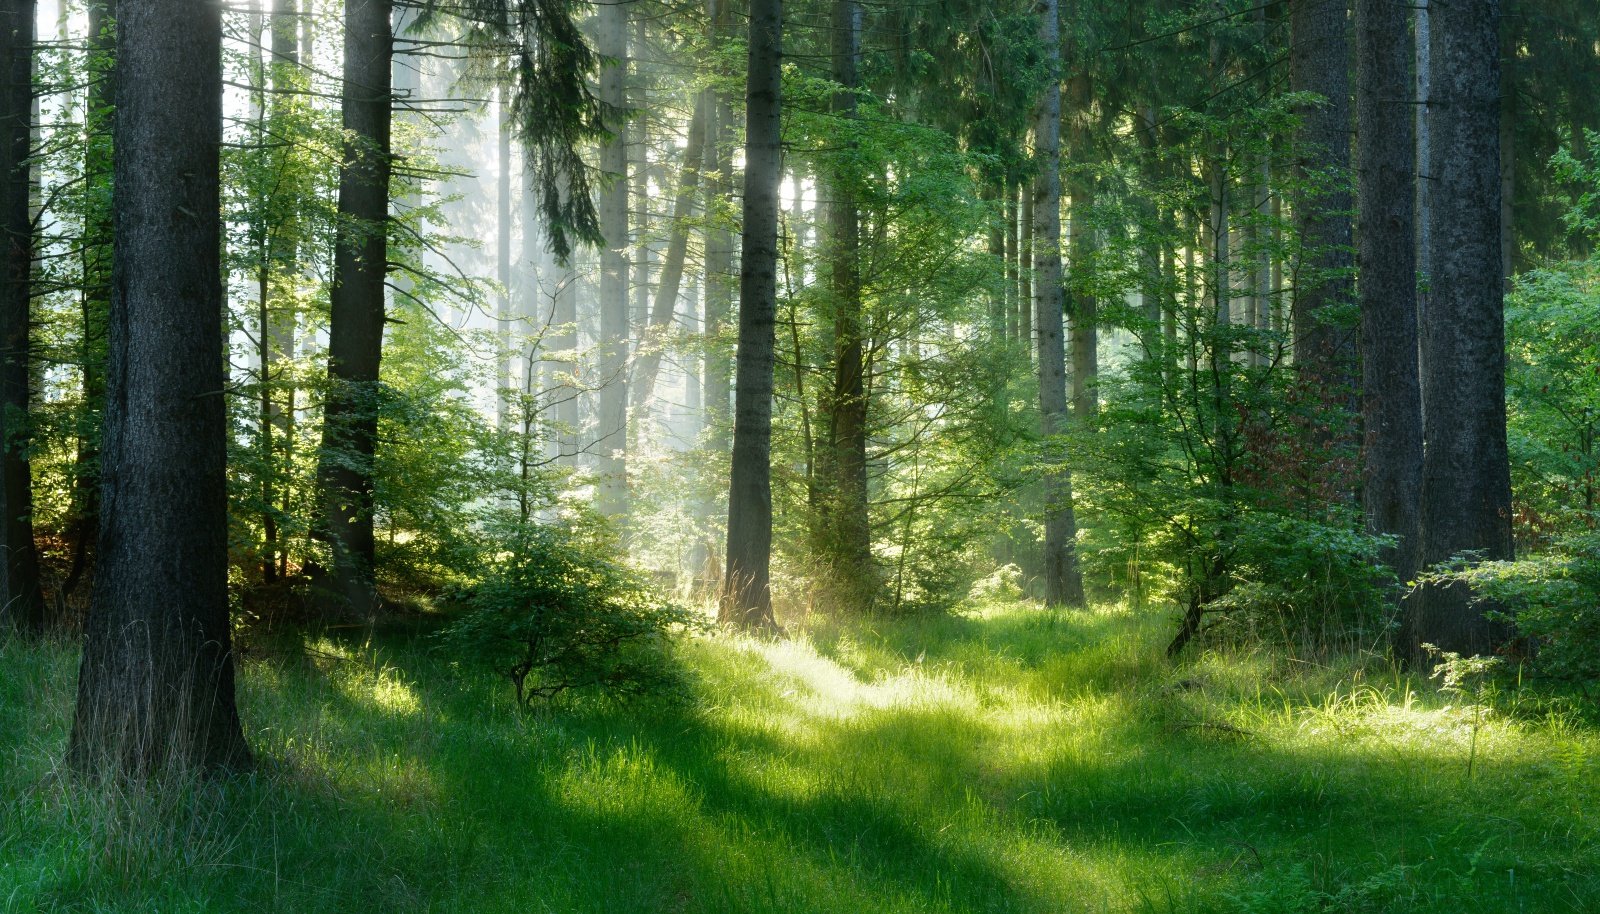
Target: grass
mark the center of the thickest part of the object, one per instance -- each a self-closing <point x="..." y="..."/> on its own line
<point x="1004" y="760"/>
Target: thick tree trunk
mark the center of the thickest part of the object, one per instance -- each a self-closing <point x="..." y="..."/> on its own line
<point x="846" y="533"/>
<point x="747" y="595"/>
<point x="20" y="565"/>
<point x="1063" y="580"/>
<point x="356" y="303"/>
<point x="156" y="685"/>
<point x="1319" y="63"/>
<point x="677" y="252"/>
<point x="1508" y="146"/>
<point x="611" y="495"/>
<point x="1391" y="404"/>
<point x="1466" y="477"/>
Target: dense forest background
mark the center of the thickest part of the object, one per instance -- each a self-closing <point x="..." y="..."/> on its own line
<point x="569" y="338"/>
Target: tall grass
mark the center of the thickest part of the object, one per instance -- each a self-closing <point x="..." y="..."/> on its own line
<point x="1008" y="759"/>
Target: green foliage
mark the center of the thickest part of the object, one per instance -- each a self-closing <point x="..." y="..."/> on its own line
<point x="1553" y="599"/>
<point x="553" y="611"/>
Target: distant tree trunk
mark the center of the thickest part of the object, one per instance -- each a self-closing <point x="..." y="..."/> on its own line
<point x="156" y="685"/>
<point x="96" y="265"/>
<point x="847" y="533"/>
<point x="719" y="269"/>
<point x="677" y="252"/>
<point x="611" y="496"/>
<point x="1319" y="63"/>
<point x="1025" y="270"/>
<point x="504" y="391"/>
<point x="747" y="595"/>
<point x="1063" y="580"/>
<point x="565" y="386"/>
<point x="1013" y="321"/>
<point x="1466" y="476"/>
<point x="1391" y="386"/>
<point x="278" y="337"/>
<point x="356" y="303"/>
<point x="20" y="586"/>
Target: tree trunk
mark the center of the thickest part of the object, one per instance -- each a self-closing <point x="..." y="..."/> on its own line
<point x="504" y="391"/>
<point x="1063" y="580"/>
<point x="156" y="685"/>
<point x="1466" y="476"/>
<point x="847" y="534"/>
<point x="1084" y="310"/>
<point x="356" y="304"/>
<point x="1025" y="270"/>
<point x="96" y="265"/>
<point x="20" y="567"/>
<point x="677" y="251"/>
<point x="1318" y="63"/>
<point x="1391" y="401"/>
<point x="747" y="595"/>
<point x="1013" y="321"/>
<point x="611" y="489"/>
<point x="1508" y="146"/>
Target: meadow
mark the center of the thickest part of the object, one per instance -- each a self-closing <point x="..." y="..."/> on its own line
<point x="1006" y="759"/>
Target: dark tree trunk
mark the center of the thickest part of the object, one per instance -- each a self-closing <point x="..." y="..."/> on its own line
<point x="611" y="442"/>
<point x="1466" y="476"/>
<point x="1319" y="63"/>
<point x="156" y="686"/>
<point x="747" y="595"/>
<point x="846" y="532"/>
<point x="20" y="585"/>
<point x="1063" y="580"/>
<point x="355" y="326"/>
<point x="677" y="252"/>
<point x="1391" y="405"/>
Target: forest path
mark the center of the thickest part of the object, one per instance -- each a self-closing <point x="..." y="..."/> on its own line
<point x="1005" y="759"/>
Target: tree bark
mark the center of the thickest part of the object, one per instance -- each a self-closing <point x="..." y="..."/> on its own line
<point x="505" y="400"/>
<point x="1025" y="270"/>
<point x="1466" y="476"/>
<point x="1318" y="63"/>
<point x="1063" y="580"/>
<point x="747" y="594"/>
<point x="156" y="685"/>
<point x="611" y="442"/>
<point x="1391" y="401"/>
<point x="20" y="566"/>
<point x="846" y="533"/>
<point x="356" y="303"/>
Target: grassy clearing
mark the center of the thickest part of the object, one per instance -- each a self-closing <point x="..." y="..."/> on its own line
<point x="1008" y="760"/>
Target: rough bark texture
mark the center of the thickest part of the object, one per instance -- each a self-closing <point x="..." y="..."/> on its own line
<point x="1319" y="63"/>
<point x="846" y="535"/>
<point x="1391" y="404"/>
<point x="19" y="569"/>
<point x="156" y="686"/>
<point x="747" y="595"/>
<point x="1063" y="580"/>
<point x="355" y="325"/>
<point x="611" y="470"/>
<point x="677" y="251"/>
<point x="1466" y="477"/>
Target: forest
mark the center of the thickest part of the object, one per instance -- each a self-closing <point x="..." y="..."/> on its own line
<point x="800" y="456"/>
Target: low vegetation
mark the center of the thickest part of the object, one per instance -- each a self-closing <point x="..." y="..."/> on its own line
<point x="1004" y="758"/>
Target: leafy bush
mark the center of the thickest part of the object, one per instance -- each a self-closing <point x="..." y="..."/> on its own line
<point x="1553" y="599"/>
<point x="553" y="611"/>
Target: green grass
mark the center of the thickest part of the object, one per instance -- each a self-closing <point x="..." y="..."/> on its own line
<point x="1009" y="760"/>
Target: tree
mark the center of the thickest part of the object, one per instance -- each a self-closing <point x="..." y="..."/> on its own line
<point x="19" y="586"/>
<point x="845" y="535"/>
<point x="1318" y="65"/>
<point x="1063" y="580"/>
<point x="1466" y="474"/>
<point x="747" y="594"/>
<point x="156" y="685"/>
<point x="1391" y="385"/>
<point x="356" y="305"/>
<point x="612" y="439"/>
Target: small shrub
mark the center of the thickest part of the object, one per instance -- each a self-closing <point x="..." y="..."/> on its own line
<point x="554" y="611"/>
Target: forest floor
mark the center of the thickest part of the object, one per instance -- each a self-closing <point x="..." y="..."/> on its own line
<point x="1008" y="759"/>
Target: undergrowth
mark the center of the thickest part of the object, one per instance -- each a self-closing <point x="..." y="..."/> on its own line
<point x="1005" y="759"/>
